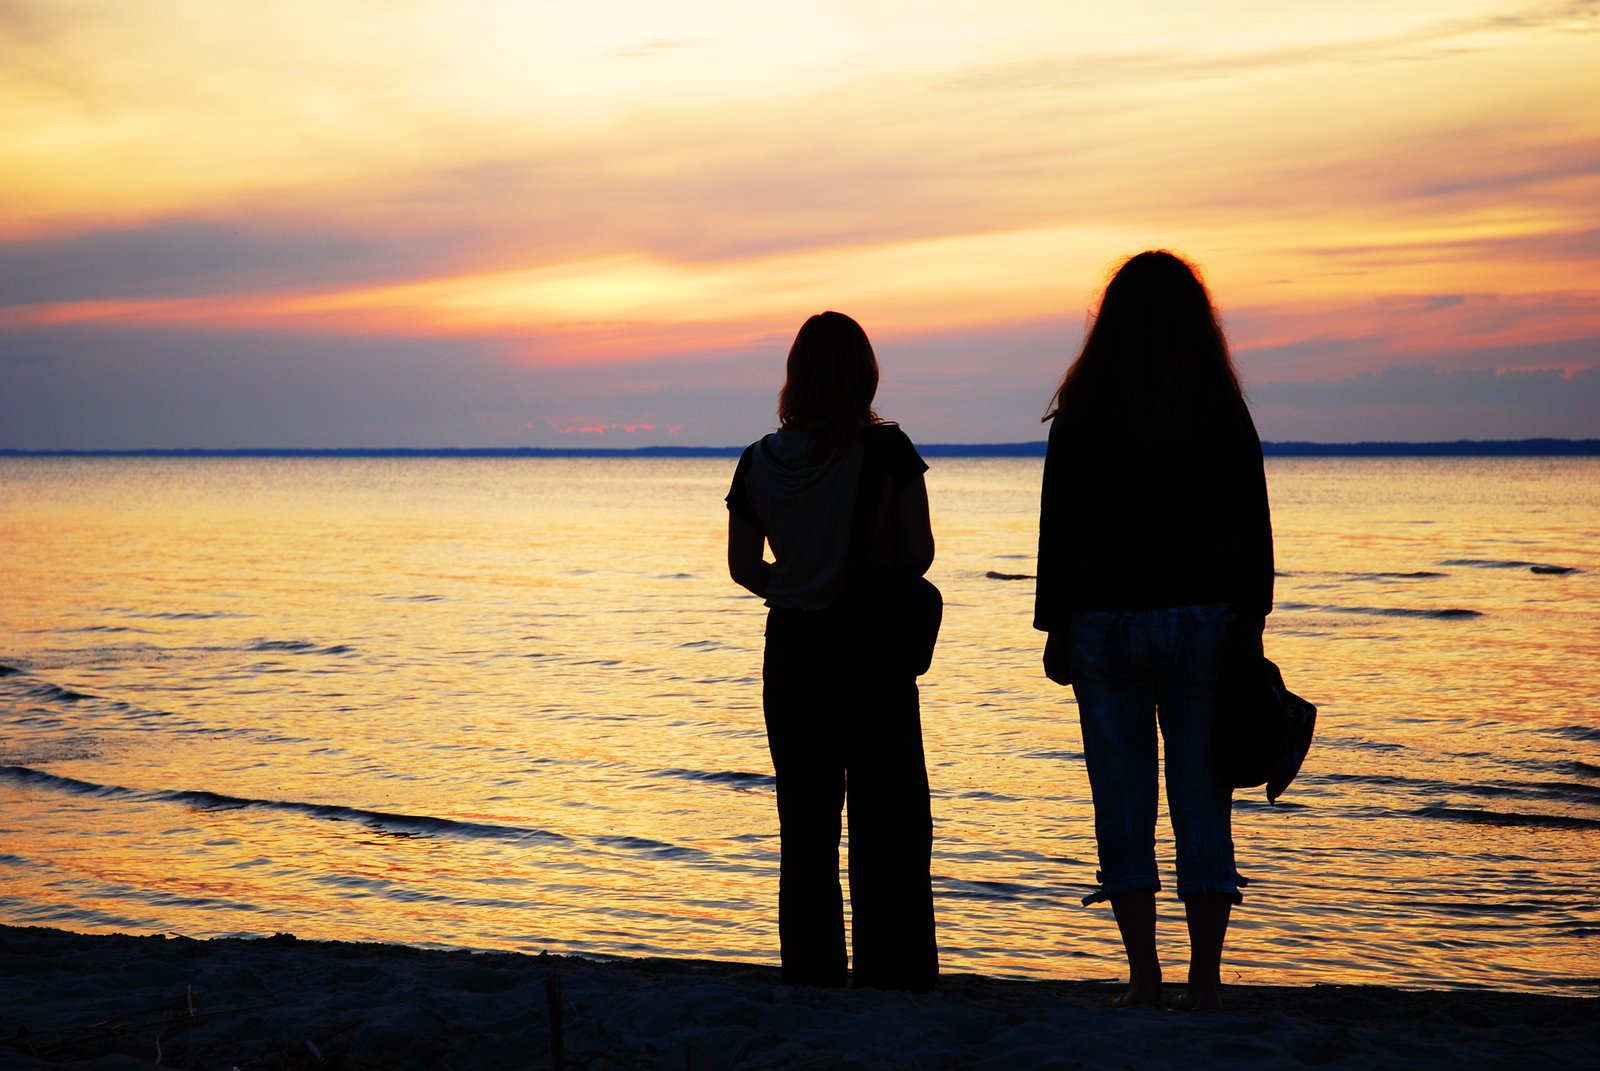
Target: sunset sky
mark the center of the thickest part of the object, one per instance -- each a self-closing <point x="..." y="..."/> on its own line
<point x="422" y="223"/>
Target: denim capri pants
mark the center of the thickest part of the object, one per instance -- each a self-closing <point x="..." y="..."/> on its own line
<point x="1132" y="671"/>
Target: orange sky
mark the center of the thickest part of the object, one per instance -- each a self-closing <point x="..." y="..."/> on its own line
<point x="605" y="213"/>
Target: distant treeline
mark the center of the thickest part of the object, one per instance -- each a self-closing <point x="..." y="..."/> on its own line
<point x="1460" y="448"/>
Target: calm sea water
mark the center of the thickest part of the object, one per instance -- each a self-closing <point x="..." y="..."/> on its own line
<point x="515" y="704"/>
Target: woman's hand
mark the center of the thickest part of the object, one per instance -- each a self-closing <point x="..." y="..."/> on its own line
<point x="1056" y="658"/>
<point x="1249" y="628"/>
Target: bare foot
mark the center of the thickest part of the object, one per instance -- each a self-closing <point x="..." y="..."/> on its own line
<point x="1199" y="998"/>
<point x="1140" y="991"/>
<point x="1136" y="921"/>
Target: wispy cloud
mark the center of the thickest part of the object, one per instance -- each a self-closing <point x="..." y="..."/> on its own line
<point x="637" y="192"/>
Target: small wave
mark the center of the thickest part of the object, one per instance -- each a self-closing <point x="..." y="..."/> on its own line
<point x="1564" y="792"/>
<point x="1582" y="933"/>
<point x="1418" y="575"/>
<point x="992" y="575"/>
<point x="1570" y="790"/>
<point x="407" y="892"/>
<point x="1586" y="733"/>
<point x="705" y="645"/>
<point x="1359" y="744"/>
<point x="1031" y="859"/>
<point x="1491" y="563"/>
<point x="181" y="615"/>
<point x="1001" y="891"/>
<point x="299" y="647"/>
<point x="382" y="821"/>
<point x="738" y="778"/>
<point x="1058" y="756"/>
<point x="1574" y="772"/>
<point x="70" y="629"/>
<point x="82" y="918"/>
<point x="651" y="847"/>
<point x="1446" y="614"/>
<point x="54" y="693"/>
<point x="28" y="775"/>
<point x="990" y="797"/>
<point x="1481" y="908"/>
<point x="1507" y="818"/>
<point x="281" y="645"/>
<point x="6" y="671"/>
<point x="409" y="598"/>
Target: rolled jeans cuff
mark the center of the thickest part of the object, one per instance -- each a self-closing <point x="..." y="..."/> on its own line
<point x="1107" y="890"/>
<point x="1186" y="890"/>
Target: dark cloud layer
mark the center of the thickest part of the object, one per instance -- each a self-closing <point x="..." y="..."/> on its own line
<point x="88" y="388"/>
<point x="1429" y="404"/>
<point x="188" y="258"/>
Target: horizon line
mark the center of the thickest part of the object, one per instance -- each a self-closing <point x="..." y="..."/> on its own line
<point x="1539" y="447"/>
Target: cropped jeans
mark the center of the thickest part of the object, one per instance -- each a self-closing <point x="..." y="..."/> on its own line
<point x="1132" y="671"/>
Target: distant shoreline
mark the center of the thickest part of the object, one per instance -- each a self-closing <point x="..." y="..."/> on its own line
<point x="1459" y="448"/>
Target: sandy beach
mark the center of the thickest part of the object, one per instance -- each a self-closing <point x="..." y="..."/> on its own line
<point x="123" y="1002"/>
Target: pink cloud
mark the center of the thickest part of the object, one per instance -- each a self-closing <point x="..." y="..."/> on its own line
<point x="602" y="428"/>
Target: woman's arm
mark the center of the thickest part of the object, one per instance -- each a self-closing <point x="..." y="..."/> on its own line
<point x="1052" y="610"/>
<point x="1050" y="614"/>
<point x="746" y="565"/>
<point x="1253" y="567"/>
<point x="913" y="530"/>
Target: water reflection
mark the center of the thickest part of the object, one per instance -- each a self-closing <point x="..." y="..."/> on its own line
<point x="464" y="703"/>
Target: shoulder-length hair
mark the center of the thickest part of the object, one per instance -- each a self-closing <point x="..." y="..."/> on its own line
<point x="831" y="379"/>
<point x="1154" y="351"/>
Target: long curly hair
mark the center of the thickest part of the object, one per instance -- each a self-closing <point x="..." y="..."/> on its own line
<point x="1154" y="353"/>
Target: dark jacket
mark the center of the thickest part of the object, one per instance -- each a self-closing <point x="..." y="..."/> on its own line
<point x="1138" y="520"/>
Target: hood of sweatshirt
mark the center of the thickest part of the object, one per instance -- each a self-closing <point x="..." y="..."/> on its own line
<point x="792" y="475"/>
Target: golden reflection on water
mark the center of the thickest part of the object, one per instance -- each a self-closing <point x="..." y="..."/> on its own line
<point x="532" y="698"/>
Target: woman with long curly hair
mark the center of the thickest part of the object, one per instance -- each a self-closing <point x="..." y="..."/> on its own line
<point x="1154" y="540"/>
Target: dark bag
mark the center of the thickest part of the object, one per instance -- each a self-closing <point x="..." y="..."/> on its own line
<point x="899" y="613"/>
<point x="893" y="613"/>
<point x="1262" y="730"/>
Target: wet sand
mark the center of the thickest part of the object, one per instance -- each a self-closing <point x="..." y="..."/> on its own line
<point x="122" y="1002"/>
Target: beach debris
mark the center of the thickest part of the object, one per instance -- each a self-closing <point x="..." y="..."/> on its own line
<point x="128" y="1026"/>
<point x="552" y="998"/>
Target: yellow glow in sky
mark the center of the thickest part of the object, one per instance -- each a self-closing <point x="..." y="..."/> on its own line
<point x="520" y="170"/>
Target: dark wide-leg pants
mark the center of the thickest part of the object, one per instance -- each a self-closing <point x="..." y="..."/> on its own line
<point x="839" y="728"/>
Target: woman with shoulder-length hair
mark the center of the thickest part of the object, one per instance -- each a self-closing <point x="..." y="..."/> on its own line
<point x="1154" y="540"/>
<point x="840" y="720"/>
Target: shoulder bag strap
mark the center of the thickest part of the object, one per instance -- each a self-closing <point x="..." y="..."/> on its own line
<point x="869" y="492"/>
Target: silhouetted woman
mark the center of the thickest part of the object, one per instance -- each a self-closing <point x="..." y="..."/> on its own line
<point x="837" y="720"/>
<point x="1154" y="538"/>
